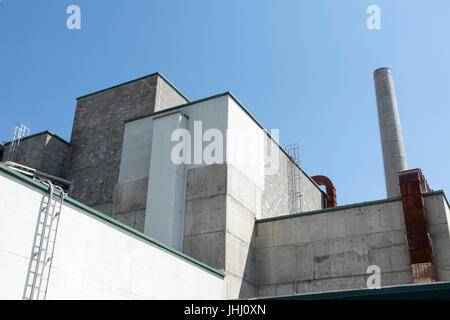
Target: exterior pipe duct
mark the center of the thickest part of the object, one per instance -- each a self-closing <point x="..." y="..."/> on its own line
<point x="330" y="189"/>
<point x="394" y="157"/>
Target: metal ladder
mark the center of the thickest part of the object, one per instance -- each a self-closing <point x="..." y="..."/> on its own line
<point x="44" y="244"/>
<point x="20" y="132"/>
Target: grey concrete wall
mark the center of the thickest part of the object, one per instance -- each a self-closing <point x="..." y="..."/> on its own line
<point x="205" y="214"/>
<point x="98" y="132"/>
<point x="55" y="158"/>
<point x="275" y="194"/>
<point x="166" y="95"/>
<point x="243" y="203"/>
<point x="219" y="225"/>
<point x="43" y="151"/>
<point x="129" y="204"/>
<point x="332" y="249"/>
<point x="438" y="216"/>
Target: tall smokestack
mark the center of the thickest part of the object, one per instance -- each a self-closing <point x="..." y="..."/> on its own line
<point x="394" y="157"/>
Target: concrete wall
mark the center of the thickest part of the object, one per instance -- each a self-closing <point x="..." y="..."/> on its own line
<point x="275" y="194"/>
<point x="43" y="151"/>
<point x="132" y="188"/>
<point x="438" y="216"/>
<point x="166" y="95"/>
<point x="266" y="166"/>
<point x="93" y="258"/>
<point x="248" y="150"/>
<point x="243" y="204"/>
<point x="219" y="225"/>
<point x="205" y="214"/>
<point x="144" y="148"/>
<point x="331" y="250"/>
<point x="222" y="201"/>
<point x="98" y="133"/>
<point x="164" y="218"/>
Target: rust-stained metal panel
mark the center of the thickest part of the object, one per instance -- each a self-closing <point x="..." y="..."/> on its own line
<point x="423" y="272"/>
<point x="419" y="242"/>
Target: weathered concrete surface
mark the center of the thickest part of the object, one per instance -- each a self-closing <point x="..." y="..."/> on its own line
<point x="130" y="200"/>
<point x="205" y="214"/>
<point x="438" y="217"/>
<point x="42" y="151"/>
<point x="243" y="204"/>
<point x="275" y="199"/>
<point x="331" y="250"/>
<point x="219" y="227"/>
<point x="97" y="135"/>
<point x="267" y="197"/>
<point x="394" y="157"/>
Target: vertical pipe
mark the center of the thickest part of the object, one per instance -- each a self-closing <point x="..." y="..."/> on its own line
<point x="394" y="157"/>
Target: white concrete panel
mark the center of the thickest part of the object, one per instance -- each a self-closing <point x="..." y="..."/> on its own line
<point x="166" y="188"/>
<point x="246" y="144"/>
<point x="93" y="259"/>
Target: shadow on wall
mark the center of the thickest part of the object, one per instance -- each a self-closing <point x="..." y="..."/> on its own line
<point x="249" y="287"/>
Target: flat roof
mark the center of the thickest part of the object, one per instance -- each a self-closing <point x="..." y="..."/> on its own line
<point x="140" y="78"/>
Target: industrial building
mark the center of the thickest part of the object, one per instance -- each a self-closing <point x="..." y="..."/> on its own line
<point x="159" y="197"/>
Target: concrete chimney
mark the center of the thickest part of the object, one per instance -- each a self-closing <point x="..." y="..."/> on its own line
<point x="394" y="157"/>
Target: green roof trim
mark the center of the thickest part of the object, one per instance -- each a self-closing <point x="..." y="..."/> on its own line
<point x="227" y="93"/>
<point x="434" y="291"/>
<point x="176" y="107"/>
<point x="125" y="83"/>
<point x="106" y="218"/>
<point x="43" y="132"/>
<point x="346" y="207"/>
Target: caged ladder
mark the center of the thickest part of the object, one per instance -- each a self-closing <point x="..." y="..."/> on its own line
<point x="44" y="244"/>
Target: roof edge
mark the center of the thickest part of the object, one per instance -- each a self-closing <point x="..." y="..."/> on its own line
<point x="119" y="224"/>
<point x="270" y="136"/>
<point x="177" y="107"/>
<point x="227" y="93"/>
<point x="140" y="78"/>
<point x="367" y="293"/>
<point x="43" y="132"/>
<point x="345" y="207"/>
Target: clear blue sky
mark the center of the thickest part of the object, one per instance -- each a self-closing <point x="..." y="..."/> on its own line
<point x="304" y="67"/>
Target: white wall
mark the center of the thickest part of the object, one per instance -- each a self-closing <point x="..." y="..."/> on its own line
<point x="94" y="258"/>
<point x="164" y="216"/>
